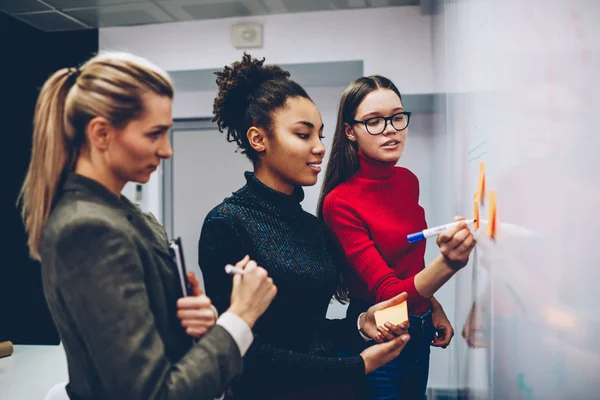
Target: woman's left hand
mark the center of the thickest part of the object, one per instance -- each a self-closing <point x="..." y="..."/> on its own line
<point x="196" y="313"/>
<point x="385" y="333"/>
<point x="443" y="328"/>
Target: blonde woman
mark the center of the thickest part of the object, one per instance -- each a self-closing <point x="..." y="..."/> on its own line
<point x="108" y="276"/>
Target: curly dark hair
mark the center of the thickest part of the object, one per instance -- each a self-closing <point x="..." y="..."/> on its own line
<point x="248" y="95"/>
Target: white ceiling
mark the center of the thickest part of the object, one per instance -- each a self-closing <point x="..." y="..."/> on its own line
<point x="61" y="15"/>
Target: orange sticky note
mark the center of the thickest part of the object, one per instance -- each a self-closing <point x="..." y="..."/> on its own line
<point x="493" y="222"/>
<point x="476" y="211"/>
<point x="395" y="314"/>
<point x="481" y="184"/>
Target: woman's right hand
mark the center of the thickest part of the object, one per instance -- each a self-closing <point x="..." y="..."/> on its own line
<point x="456" y="244"/>
<point x="380" y="354"/>
<point x="252" y="292"/>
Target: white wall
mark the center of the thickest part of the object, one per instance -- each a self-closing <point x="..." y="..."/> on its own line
<point x="151" y="195"/>
<point x="395" y="42"/>
<point x="288" y="39"/>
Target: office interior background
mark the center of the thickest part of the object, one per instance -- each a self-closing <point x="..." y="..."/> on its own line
<point x="509" y="85"/>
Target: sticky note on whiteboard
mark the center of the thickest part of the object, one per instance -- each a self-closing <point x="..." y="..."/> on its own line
<point x="394" y="314"/>
<point x="476" y="211"/>
<point x="492" y="217"/>
<point x="481" y="183"/>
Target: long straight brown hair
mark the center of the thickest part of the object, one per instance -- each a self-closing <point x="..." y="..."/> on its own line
<point x="110" y="85"/>
<point x="343" y="159"/>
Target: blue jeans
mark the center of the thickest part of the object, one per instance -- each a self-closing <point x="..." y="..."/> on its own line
<point x="405" y="378"/>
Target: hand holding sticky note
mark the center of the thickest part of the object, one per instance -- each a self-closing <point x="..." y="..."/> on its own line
<point x="372" y="323"/>
<point x="395" y="315"/>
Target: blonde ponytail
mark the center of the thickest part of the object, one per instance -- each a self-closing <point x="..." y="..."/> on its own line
<point x="50" y="156"/>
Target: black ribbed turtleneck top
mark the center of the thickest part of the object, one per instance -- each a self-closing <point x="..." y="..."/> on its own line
<point x="295" y="345"/>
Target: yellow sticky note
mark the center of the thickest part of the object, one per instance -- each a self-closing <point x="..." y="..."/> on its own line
<point x="493" y="221"/>
<point x="395" y="314"/>
<point x="481" y="184"/>
<point x="476" y="211"/>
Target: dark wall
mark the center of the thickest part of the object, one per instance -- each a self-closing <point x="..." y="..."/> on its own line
<point x="27" y="58"/>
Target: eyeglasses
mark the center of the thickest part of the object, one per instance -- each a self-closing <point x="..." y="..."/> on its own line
<point x="377" y="125"/>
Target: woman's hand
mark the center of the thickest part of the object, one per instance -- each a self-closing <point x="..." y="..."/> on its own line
<point x="443" y="328"/>
<point x="456" y="244"/>
<point x="196" y="313"/>
<point x="252" y="292"/>
<point x="380" y="334"/>
<point x="380" y="354"/>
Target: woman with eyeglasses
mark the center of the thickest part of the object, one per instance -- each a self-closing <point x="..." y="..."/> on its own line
<point x="371" y="205"/>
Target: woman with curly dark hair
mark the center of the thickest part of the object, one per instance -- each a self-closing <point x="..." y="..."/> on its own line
<point x="297" y="351"/>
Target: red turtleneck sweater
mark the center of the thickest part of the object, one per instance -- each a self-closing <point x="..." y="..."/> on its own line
<point x="370" y="215"/>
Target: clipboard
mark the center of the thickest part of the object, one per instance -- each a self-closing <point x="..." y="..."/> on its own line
<point x="177" y="249"/>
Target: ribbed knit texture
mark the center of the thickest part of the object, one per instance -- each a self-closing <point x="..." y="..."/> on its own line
<point x="295" y="345"/>
<point x="371" y="214"/>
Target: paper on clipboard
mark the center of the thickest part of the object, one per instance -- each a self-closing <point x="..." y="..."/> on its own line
<point x="177" y="249"/>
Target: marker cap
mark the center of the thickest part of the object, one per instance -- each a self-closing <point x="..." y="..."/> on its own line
<point x="415" y="237"/>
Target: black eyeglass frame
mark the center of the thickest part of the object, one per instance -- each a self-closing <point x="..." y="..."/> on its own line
<point x="385" y="119"/>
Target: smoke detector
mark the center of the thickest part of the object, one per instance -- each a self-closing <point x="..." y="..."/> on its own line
<point x="246" y="36"/>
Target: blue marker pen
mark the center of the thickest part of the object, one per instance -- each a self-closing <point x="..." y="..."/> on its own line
<point x="426" y="233"/>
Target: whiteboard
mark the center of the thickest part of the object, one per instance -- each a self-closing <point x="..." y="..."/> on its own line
<point x="523" y="98"/>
